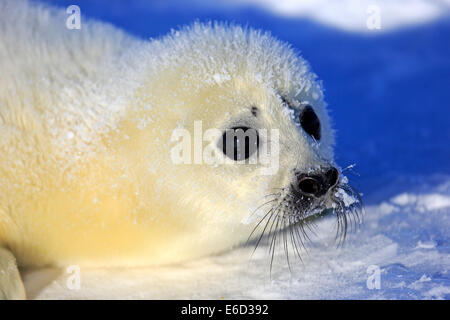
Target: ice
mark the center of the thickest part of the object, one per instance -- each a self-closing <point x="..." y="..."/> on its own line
<point x="345" y="197"/>
<point x="408" y="269"/>
<point x="345" y="14"/>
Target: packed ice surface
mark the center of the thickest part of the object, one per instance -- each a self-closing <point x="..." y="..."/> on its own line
<point x="388" y="96"/>
<point x="405" y="236"/>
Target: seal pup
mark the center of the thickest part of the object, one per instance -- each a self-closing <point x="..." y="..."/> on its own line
<point x="92" y="120"/>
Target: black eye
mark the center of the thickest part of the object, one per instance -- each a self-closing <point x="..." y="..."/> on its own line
<point x="239" y="143"/>
<point x="310" y="122"/>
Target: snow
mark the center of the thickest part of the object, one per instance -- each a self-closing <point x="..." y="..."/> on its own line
<point x="408" y="245"/>
<point x="347" y="199"/>
<point x="423" y="202"/>
<point x="388" y="96"/>
<point x="351" y="15"/>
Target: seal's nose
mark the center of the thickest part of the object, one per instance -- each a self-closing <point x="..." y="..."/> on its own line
<point x="319" y="183"/>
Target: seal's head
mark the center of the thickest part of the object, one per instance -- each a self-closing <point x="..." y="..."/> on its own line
<point x="208" y="84"/>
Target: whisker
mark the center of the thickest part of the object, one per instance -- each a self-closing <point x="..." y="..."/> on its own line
<point x="273" y="243"/>
<point x="286" y="248"/>
<point x="295" y="216"/>
<point x="271" y="212"/>
<point x="294" y="242"/>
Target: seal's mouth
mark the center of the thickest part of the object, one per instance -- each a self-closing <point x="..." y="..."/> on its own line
<point x="291" y="219"/>
<point x="318" y="215"/>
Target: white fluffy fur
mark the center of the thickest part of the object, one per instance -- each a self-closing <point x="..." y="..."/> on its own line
<point x="86" y="118"/>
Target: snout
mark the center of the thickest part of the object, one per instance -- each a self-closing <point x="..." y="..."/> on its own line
<point x="318" y="183"/>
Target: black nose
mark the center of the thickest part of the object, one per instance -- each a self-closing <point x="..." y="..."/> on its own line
<point x="317" y="184"/>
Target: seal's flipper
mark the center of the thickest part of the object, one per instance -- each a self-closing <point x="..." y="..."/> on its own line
<point x="11" y="286"/>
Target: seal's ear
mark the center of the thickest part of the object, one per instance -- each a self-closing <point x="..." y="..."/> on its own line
<point x="11" y="286"/>
<point x="255" y="111"/>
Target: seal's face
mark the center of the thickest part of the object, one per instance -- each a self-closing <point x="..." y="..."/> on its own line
<point x="268" y="164"/>
<point x="303" y="183"/>
<point x="253" y="120"/>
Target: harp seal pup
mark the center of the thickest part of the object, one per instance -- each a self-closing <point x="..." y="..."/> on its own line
<point x="87" y="122"/>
